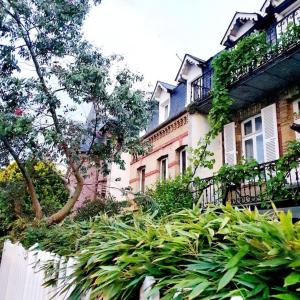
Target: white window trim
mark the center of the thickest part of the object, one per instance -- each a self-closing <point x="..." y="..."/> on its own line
<point x="180" y="160"/>
<point x="252" y="136"/>
<point x="167" y="168"/>
<point x="141" y="178"/>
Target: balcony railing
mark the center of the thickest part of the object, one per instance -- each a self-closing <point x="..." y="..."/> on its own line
<point x="201" y="87"/>
<point x="251" y="191"/>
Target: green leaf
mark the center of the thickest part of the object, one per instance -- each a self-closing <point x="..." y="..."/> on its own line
<point x="274" y="262"/>
<point x="227" y="277"/>
<point x="287" y="296"/>
<point x="235" y="259"/>
<point x="292" y="279"/>
<point x="199" y="289"/>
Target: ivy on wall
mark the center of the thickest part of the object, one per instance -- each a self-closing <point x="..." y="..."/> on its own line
<point x="229" y="66"/>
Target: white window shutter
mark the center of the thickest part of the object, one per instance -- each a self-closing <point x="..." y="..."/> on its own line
<point x="230" y="144"/>
<point x="269" y="125"/>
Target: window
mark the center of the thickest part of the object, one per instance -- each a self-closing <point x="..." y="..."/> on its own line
<point x="166" y="112"/>
<point x="164" y="168"/>
<point x="253" y="140"/>
<point x="142" y="177"/>
<point x="182" y="161"/>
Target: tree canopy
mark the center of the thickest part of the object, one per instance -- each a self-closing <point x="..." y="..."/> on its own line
<point x="47" y="69"/>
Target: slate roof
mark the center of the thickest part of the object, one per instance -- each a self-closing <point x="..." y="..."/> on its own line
<point x="167" y="86"/>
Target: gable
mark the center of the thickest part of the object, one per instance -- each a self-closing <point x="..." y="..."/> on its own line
<point x="240" y="24"/>
<point x="188" y="63"/>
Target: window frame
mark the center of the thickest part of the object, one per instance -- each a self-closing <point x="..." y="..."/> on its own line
<point x="182" y="172"/>
<point x="164" y="159"/>
<point x="164" y="115"/>
<point x="252" y="136"/>
<point x="142" y="179"/>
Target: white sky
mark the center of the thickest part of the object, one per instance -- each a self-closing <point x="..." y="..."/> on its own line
<point x="149" y="33"/>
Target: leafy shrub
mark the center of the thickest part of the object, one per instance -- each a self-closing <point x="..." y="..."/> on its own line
<point x="14" y="200"/>
<point x="194" y="254"/>
<point x="168" y="196"/>
<point x="63" y="239"/>
<point x="91" y="209"/>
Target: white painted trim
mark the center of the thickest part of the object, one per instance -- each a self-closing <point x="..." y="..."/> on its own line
<point x="251" y="136"/>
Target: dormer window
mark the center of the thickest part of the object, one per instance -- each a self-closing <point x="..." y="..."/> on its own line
<point x="164" y="111"/>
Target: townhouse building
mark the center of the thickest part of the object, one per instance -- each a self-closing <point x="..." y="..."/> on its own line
<point x="266" y="98"/>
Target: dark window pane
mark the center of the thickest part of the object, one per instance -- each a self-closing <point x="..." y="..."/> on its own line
<point x="183" y="161"/>
<point x="258" y="124"/>
<point x="143" y="177"/>
<point x="164" y="169"/>
<point x="248" y="127"/>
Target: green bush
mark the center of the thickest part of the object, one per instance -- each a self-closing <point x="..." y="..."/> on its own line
<point x="212" y="254"/>
<point x="15" y="202"/>
<point x="168" y="196"/>
<point x="91" y="209"/>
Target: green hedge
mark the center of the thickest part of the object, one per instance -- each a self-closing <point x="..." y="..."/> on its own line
<point x="193" y="255"/>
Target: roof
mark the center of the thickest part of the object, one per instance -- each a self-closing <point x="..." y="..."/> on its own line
<point x="167" y="86"/>
<point x="163" y="85"/>
<point x="191" y="59"/>
<point x="238" y="17"/>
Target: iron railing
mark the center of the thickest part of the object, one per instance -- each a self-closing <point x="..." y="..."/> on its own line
<point x="251" y="190"/>
<point x="201" y="87"/>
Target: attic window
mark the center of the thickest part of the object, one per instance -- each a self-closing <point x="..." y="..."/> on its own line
<point x="166" y="112"/>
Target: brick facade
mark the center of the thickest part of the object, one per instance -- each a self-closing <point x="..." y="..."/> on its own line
<point x="165" y="141"/>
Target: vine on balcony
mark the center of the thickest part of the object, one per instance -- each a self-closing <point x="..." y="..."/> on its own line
<point x="229" y="66"/>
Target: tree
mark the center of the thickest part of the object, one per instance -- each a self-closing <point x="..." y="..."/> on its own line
<point x="34" y="112"/>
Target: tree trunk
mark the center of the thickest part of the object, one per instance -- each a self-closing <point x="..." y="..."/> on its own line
<point x="27" y="178"/>
<point x="63" y="212"/>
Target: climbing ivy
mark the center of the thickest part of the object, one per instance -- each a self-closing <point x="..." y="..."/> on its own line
<point x="229" y="66"/>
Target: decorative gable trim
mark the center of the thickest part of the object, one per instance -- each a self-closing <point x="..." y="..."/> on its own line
<point x="273" y="3"/>
<point x="188" y="59"/>
<point x="163" y="86"/>
<point x="238" y="21"/>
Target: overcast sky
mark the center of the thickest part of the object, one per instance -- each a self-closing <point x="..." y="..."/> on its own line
<point x="151" y="33"/>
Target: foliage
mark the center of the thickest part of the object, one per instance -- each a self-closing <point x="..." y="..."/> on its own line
<point x="63" y="239"/>
<point x="14" y="198"/>
<point x="90" y="209"/>
<point x="273" y="181"/>
<point x="35" y="117"/>
<point x="167" y="196"/>
<point x="212" y="254"/>
<point x="248" y="54"/>
<point x="228" y="67"/>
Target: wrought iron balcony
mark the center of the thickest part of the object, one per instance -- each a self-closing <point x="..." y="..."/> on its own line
<point x="201" y="87"/>
<point x="251" y="191"/>
<point x="277" y="69"/>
